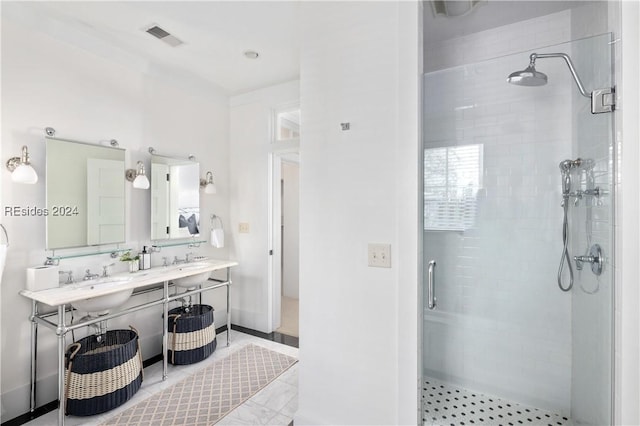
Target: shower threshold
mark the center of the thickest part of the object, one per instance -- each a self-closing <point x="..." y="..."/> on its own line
<point x="444" y="405"/>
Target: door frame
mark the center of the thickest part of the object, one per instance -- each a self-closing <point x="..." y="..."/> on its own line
<point x="275" y="237"/>
<point x="278" y="150"/>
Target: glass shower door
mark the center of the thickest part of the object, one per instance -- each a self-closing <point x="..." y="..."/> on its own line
<point x="502" y="343"/>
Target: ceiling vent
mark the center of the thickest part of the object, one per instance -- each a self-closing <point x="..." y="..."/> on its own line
<point x="164" y="35"/>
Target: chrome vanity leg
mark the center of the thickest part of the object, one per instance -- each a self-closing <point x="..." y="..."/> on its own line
<point x="228" y="306"/>
<point x="34" y="354"/>
<point x="165" y="325"/>
<point x="61" y="334"/>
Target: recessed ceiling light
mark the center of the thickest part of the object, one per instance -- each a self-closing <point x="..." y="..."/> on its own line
<point x="251" y="54"/>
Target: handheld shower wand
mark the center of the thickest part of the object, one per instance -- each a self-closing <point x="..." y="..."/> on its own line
<point x="565" y="170"/>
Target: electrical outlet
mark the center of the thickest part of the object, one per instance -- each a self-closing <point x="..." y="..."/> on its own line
<point x="380" y="255"/>
<point x="243" y="228"/>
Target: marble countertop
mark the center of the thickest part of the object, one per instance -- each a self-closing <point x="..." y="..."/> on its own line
<point x="69" y="293"/>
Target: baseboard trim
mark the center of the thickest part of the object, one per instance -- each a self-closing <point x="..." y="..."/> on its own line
<point x="273" y="336"/>
<point x="27" y="417"/>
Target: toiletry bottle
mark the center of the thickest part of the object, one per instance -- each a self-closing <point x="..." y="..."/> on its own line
<point x="145" y="259"/>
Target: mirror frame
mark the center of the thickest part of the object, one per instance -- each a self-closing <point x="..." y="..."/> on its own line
<point x="171" y="192"/>
<point x="59" y="209"/>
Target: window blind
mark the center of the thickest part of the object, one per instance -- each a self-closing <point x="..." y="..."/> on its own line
<point x="452" y="177"/>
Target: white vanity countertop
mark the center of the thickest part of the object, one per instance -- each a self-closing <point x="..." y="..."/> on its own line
<point x="83" y="290"/>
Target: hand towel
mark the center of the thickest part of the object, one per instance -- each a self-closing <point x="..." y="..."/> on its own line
<point x="217" y="238"/>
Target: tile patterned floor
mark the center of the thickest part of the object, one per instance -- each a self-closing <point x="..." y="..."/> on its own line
<point x="276" y="404"/>
<point x="444" y="405"/>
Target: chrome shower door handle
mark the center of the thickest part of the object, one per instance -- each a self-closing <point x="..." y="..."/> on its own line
<point x="431" y="297"/>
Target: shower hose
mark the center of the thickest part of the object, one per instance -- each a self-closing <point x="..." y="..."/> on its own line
<point x="565" y="250"/>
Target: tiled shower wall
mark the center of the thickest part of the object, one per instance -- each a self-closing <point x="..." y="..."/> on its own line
<point x="502" y="325"/>
<point x="592" y="302"/>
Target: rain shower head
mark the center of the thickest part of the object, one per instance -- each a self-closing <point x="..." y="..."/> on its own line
<point x="528" y="77"/>
<point x="602" y="100"/>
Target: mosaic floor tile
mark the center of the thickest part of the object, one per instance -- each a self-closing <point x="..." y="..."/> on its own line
<point x="447" y="405"/>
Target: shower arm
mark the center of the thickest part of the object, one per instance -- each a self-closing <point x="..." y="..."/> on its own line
<point x="567" y="59"/>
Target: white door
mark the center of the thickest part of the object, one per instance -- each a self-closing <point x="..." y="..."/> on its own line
<point x="159" y="201"/>
<point x="105" y="201"/>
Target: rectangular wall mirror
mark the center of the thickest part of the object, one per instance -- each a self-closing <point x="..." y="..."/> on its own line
<point x="175" y="198"/>
<point x="85" y="194"/>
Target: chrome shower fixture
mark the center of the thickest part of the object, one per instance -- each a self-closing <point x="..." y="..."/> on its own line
<point x="602" y="100"/>
<point x="565" y="169"/>
<point x="595" y="257"/>
<point x="528" y="76"/>
<point x="567" y="165"/>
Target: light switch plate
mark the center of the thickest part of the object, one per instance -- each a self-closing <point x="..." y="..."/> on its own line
<point x="380" y="255"/>
<point x="243" y="228"/>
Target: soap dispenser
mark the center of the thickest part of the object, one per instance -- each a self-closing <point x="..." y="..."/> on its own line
<point x="145" y="258"/>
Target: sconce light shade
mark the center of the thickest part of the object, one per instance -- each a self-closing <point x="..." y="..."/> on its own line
<point x="207" y="184"/>
<point x="210" y="189"/>
<point x="138" y="177"/>
<point x="20" y="168"/>
<point x="141" y="182"/>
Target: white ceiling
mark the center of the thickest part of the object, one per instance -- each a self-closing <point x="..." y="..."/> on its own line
<point x="215" y="35"/>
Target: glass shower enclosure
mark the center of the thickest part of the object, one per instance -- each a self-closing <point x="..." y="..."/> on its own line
<point x="502" y="342"/>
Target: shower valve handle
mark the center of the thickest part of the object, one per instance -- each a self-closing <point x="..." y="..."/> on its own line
<point x="584" y="259"/>
<point x="595" y="258"/>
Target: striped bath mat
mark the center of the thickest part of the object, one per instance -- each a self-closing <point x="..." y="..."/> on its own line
<point x="210" y="394"/>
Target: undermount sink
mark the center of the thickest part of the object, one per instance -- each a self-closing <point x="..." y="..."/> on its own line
<point x="102" y="304"/>
<point x="192" y="280"/>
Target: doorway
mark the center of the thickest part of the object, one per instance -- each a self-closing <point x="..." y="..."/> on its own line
<point x="284" y="211"/>
<point x="289" y="247"/>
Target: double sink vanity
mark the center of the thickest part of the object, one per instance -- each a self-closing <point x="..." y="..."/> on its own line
<point x="101" y="298"/>
<point x="88" y="184"/>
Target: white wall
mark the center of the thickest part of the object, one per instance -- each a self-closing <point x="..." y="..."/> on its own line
<point x="357" y="364"/>
<point x="249" y="177"/>
<point x="291" y="230"/>
<point x="87" y="97"/>
<point x="627" y="233"/>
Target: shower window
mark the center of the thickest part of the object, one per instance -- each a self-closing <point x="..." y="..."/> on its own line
<point x="452" y="179"/>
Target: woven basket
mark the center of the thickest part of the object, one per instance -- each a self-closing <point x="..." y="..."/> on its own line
<point x="102" y="375"/>
<point x="192" y="335"/>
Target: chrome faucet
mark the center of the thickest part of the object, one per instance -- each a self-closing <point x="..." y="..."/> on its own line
<point x="105" y="270"/>
<point x="89" y="276"/>
<point x="188" y="257"/>
<point x="177" y="261"/>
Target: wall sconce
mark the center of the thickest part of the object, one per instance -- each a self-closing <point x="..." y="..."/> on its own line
<point x="207" y="184"/>
<point x="138" y="177"/>
<point x="20" y="168"/>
